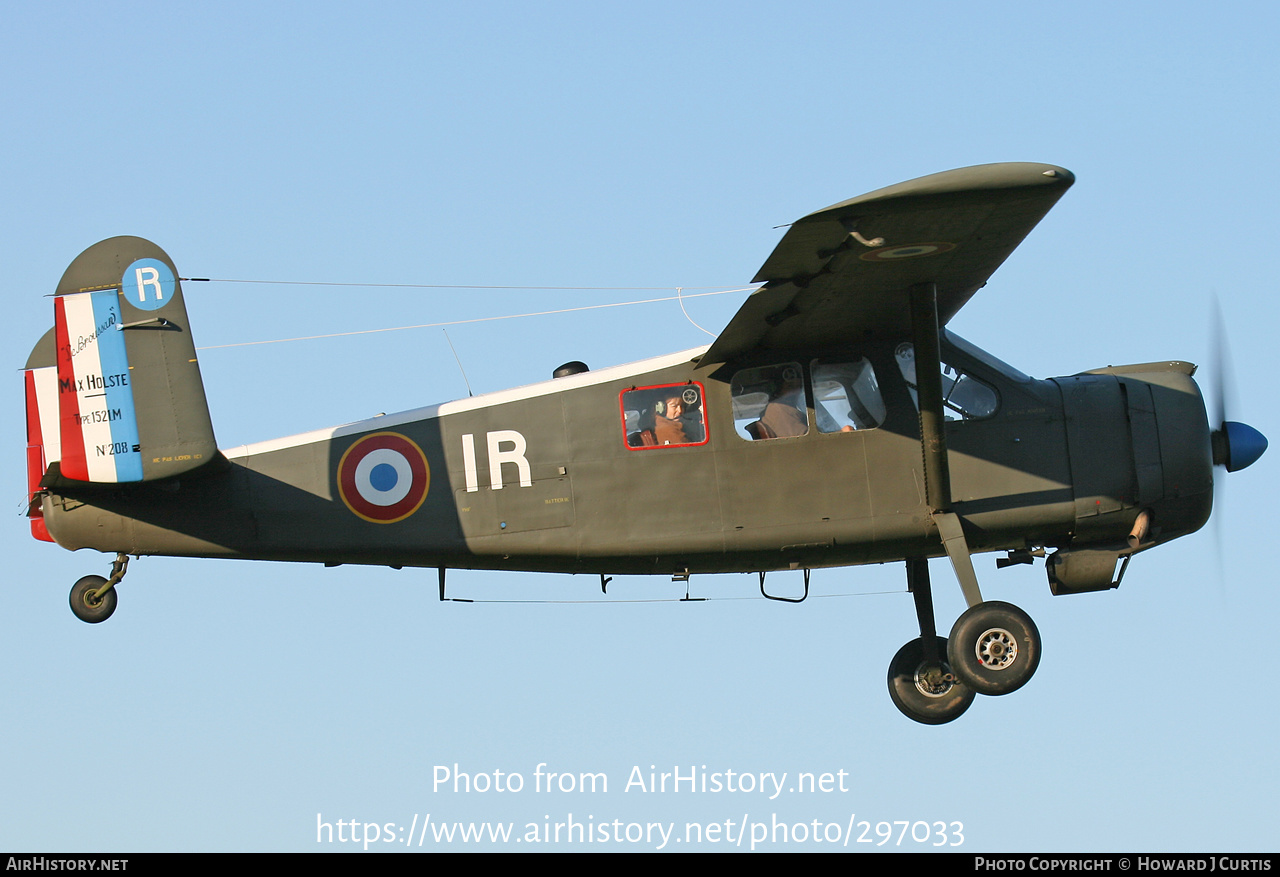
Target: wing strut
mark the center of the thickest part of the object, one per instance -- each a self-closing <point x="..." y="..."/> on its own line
<point x="933" y="436"/>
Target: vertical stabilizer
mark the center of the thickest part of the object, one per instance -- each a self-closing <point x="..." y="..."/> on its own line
<point x="130" y="403"/>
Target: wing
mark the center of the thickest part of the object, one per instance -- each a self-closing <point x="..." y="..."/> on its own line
<point x="845" y="272"/>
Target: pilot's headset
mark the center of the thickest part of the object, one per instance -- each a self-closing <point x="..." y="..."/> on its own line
<point x="689" y="396"/>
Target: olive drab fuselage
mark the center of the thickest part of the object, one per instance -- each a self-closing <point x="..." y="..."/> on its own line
<point x="545" y="478"/>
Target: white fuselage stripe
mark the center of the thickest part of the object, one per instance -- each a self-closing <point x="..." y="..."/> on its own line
<point x="431" y="412"/>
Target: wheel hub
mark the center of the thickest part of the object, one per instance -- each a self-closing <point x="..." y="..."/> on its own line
<point x="934" y="681"/>
<point x="996" y="649"/>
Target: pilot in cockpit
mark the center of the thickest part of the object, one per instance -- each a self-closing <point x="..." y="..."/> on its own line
<point x="668" y="425"/>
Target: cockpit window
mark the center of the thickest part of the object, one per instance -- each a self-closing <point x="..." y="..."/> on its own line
<point x="769" y="402"/>
<point x="665" y="416"/>
<point x="964" y="397"/>
<point x="846" y="396"/>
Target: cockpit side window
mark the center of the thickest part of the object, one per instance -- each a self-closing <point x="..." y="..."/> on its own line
<point x="964" y="397"/>
<point x="664" y="416"/>
<point x="846" y="396"/>
<point x="769" y="402"/>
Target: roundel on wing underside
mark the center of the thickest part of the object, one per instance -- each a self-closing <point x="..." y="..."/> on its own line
<point x="907" y="251"/>
<point x="383" y="477"/>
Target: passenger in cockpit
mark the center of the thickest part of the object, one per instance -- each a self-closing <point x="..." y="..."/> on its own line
<point x="784" y="416"/>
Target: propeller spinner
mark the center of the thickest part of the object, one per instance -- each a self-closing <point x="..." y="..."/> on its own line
<point x="1235" y="445"/>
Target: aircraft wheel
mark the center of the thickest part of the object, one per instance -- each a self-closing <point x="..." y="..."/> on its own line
<point x="994" y="648"/>
<point x="929" y="694"/>
<point x="88" y="609"/>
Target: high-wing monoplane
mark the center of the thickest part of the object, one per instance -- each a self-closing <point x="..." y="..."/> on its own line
<point x="835" y="421"/>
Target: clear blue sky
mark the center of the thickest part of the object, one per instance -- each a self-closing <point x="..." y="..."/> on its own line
<point x="647" y="145"/>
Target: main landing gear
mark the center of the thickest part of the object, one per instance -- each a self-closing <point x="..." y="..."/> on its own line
<point x="94" y="598"/>
<point x="994" y="648"/>
<point x="922" y="685"/>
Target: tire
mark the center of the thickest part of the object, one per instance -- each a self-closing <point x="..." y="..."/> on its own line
<point x="930" y="701"/>
<point x="994" y="648"/>
<point x="87" y="609"/>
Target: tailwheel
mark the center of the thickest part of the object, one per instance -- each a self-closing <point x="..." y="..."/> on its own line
<point x="927" y="691"/>
<point x="994" y="648"/>
<point x="86" y="606"/>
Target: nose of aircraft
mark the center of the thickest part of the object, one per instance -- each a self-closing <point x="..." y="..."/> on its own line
<point x="1237" y="445"/>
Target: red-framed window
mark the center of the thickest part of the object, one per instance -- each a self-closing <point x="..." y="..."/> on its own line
<point x="664" y="416"/>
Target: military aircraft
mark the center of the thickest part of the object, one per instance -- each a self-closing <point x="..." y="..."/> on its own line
<point x="835" y="421"/>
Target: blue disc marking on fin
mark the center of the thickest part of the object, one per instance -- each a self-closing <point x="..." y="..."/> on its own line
<point x="148" y="284"/>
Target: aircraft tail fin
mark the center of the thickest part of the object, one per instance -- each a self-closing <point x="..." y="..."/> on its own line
<point x="114" y="394"/>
